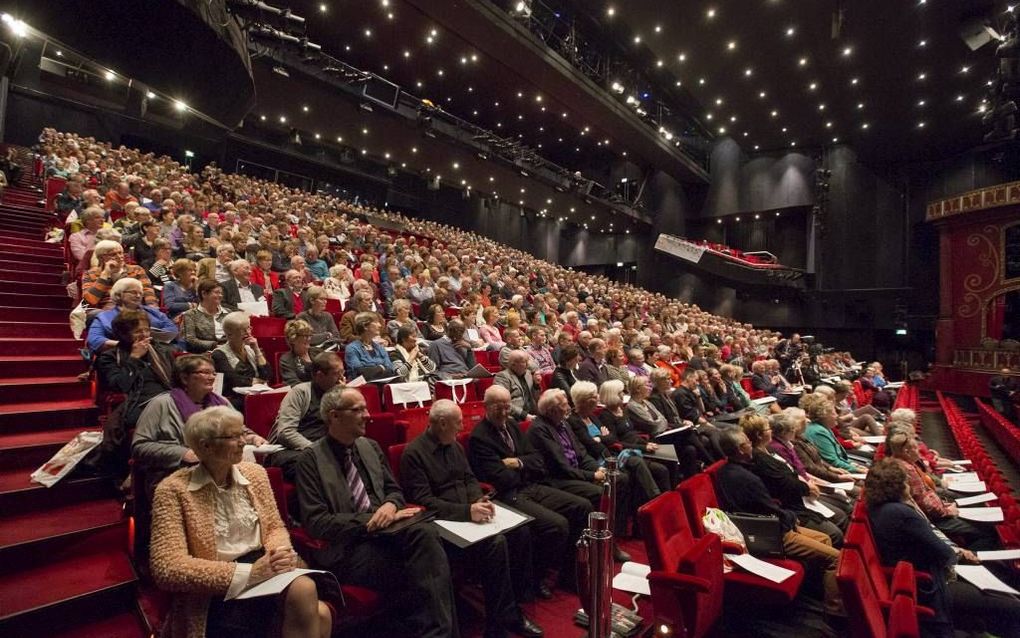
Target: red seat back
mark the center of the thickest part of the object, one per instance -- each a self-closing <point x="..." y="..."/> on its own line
<point x="417" y="419"/>
<point x="260" y="411"/>
<point x="372" y="401"/>
<point x="394" y="452"/>
<point x="903" y="618"/>
<point x="863" y="610"/>
<point x="698" y="495"/>
<point x="267" y="326"/>
<point x="385" y="430"/>
<point x="666" y="531"/>
<point x="544" y="379"/>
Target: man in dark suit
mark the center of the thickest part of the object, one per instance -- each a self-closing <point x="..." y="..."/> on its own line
<point x="240" y="287"/>
<point x="503" y="457"/>
<point x="434" y="472"/>
<point x="593" y="368"/>
<point x="571" y="468"/>
<point x="520" y="383"/>
<point x="288" y="301"/>
<point x="348" y="498"/>
<point x="691" y="408"/>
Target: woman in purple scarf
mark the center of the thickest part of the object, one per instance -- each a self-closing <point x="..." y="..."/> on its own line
<point x="158" y="446"/>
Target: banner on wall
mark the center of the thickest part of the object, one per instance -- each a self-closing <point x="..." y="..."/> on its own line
<point x="679" y="248"/>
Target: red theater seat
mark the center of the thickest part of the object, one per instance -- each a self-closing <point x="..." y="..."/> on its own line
<point x="260" y="411"/>
<point x="687" y="573"/>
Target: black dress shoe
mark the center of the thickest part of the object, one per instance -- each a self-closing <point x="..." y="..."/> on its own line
<point x="542" y="591"/>
<point x="526" y="627"/>
<point x="619" y="555"/>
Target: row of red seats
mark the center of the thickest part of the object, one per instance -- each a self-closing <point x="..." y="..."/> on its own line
<point x="1006" y="433"/>
<point x="689" y="584"/>
<point x="972" y="448"/>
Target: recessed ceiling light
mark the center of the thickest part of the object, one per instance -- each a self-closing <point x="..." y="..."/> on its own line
<point x="718" y="101"/>
<point x="959" y="98"/>
<point x="784" y="129"/>
<point x="761" y="94"/>
<point x="747" y="72"/>
<point x="439" y="73"/>
<point x="323" y="8"/>
<point x="368" y="33"/>
<point x="854" y="81"/>
<point x="710" y="13"/>
<point x="414" y="149"/>
<point x="813" y="86"/>
<point x="152" y="96"/>
<point x="708" y="116"/>
<point x="821" y="107"/>
<point x="922" y="76"/>
<point x="802" y="62"/>
<point x="921" y="102"/>
<point x="834" y="140"/>
<point x="847" y="52"/>
<point x="922" y="43"/>
<point x="658" y="63"/>
<point x="756" y="147"/>
<point x="860" y="105"/>
<point x="964" y="69"/>
<point x="920" y="124"/>
<point x="701" y="81"/>
<point x="865" y="125"/>
<point x="637" y="39"/>
<point x="283" y="119"/>
<point x="775" y="113"/>
<point x="745" y="133"/>
<point x="828" y="124"/>
<point x="339" y="140"/>
<point x="110" y="75"/>
<point x="790" y="31"/>
<point x="731" y="45"/>
<point x="305" y="108"/>
<point x="611" y="11"/>
<point x="733" y="118"/>
<point x="682" y="57"/>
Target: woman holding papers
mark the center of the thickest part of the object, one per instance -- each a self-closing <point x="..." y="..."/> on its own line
<point x="127" y="295"/>
<point x="902" y="447"/>
<point x="821" y="414"/>
<point x="785" y="427"/>
<point x="217" y="533"/>
<point x="240" y="359"/>
<point x="364" y="356"/>
<point x="903" y="533"/>
<point x="783" y="483"/>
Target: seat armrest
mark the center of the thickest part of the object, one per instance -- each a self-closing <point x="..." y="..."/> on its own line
<point x="674" y="580"/>
<point x="730" y="547"/>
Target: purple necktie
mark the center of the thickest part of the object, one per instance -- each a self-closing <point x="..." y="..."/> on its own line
<point x="505" y="433"/>
<point x="358" y="493"/>
<point x="567" y="445"/>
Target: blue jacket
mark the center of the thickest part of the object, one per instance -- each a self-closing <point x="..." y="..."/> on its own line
<point x="101" y="328"/>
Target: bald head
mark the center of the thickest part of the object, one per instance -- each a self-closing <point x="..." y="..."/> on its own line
<point x="497" y="405"/>
<point x="445" y="421"/>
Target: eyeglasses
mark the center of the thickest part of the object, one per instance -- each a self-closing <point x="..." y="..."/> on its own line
<point x="205" y="373"/>
<point x="230" y="437"/>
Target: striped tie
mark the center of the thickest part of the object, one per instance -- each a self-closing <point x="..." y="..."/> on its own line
<point x="358" y="493"/>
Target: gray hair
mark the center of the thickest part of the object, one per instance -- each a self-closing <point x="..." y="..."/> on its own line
<point x="610" y="393"/>
<point x="581" y="390"/>
<point x="315" y="292"/>
<point x="207" y="424"/>
<point x="827" y="390"/>
<point x="121" y="284"/>
<point x="549" y="399"/>
<point x="237" y="264"/>
<point x="903" y="415"/>
<point x="729" y="442"/>
<point x="105" y="246"/>
<point x="235" y="321"/>
<point x="785" y="421"/>
<point x="441" y="409"/>
<point x="91" y="212"/>
<point x="334" y="400"/>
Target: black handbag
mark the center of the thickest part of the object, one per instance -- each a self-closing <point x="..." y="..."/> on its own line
<point x="763" y="534"/>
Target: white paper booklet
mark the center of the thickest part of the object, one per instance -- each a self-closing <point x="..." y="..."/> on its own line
<point x="982" y="514"/>
<point x="1001" y="554"/>
<point x="758" y="567"/>
<point x="968" y="488"/>
<point x="983" y="579"/>
<point x="633" y="577"/>
<point x="815" y="505"/>
<point x="975" y="500"/>
<point x="277" y="583"/>
<point x="503" y="520"/>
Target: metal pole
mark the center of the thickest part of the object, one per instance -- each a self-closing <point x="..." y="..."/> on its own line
<point x="595" y="573"/>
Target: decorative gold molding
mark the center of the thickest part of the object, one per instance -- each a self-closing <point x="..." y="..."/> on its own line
<point x="971" y="201"/>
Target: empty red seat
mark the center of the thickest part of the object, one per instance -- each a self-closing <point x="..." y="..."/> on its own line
<point x="686" y="580"/>
<point x="260" y="411"/>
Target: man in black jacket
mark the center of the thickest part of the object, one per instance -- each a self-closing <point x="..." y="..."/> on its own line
<point x="503" y="457"/>
<point x="689" y="404"/>
<point x="346" y="494"/>
<point x="239" y="287"/>
<point x="593" y="368"/>
<point x="434" y="472"/>
<point x="570" y="467"/>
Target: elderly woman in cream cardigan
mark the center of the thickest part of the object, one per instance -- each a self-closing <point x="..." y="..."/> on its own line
<point x="216" y="532"/>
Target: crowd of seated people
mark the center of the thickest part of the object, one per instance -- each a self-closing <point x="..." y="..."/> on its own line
<point x="424" y="304"/>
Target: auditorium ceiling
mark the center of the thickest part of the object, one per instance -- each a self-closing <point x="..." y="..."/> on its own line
<point x="892" y="78"/>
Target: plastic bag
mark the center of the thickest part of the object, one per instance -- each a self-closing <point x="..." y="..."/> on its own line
<point x="67" y="458"/>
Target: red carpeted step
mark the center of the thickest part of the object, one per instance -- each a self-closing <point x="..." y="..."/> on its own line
<point x="36" y="531"/>
<point x="45" y="315"/>
<point x="27" y="329"/>
<point x="66" y="365"/>
<point x="55" y="289"/>
<point x="27" y="240"/>
<point x="37" y="227"/>
<point x="40" y="347"/>
<point x="18" y="494"/>
<point x="51" y="278"/>
<point x="20" y="253"/>
<point x="44" y="251"/>
<point x="35" y="389"/>
<point x="82" y="569"/>
<point x="122" y="625"/>
<point x="20" y="234"/>
<point x="17" y="265"/>
<point x="33" y="417"/>
<point x="32" y="449"/>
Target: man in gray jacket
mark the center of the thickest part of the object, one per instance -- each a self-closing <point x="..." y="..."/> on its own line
<point x="299" y="423"/>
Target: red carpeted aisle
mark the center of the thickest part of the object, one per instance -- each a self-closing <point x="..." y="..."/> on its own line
<point x="64" y="567"/>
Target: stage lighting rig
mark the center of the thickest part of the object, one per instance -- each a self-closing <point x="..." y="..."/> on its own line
<point x="258" y="10"/>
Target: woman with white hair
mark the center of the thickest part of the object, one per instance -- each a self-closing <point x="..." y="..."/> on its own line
<point x="339" y="283"/>
<point x="110" y="266"/>
<point x="126" y="294"/>
<point x="240" y="359"/>
<point x="217" y="532"/>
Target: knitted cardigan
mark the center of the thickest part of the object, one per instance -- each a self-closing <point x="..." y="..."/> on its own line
<point x="183" y="548"/>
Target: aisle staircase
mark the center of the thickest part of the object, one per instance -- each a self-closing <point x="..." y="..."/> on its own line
<point x="64" y="565"/>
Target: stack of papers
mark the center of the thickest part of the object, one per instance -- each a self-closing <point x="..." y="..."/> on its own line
<point x="253" y="389"/>
<point x="265" y="448"/>
<point x="1002" y="554"/>
<point x="815" y="505"/>
<point x="278" y="583"/>
<point x="876" y="440"/>
<point x="470" y="532"/>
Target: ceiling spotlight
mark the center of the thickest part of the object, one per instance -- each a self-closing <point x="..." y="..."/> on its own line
<point x="921" y="102"/>
<point x="854" y="81"/>
<point x="718" y="101"/>
<point x="847" y="52"/>
<point x="682" y="57"/>
<point x="109" y="75"/>
<point x="710" y="13"/>
<point x="865" y="125"/>
<point x="860" y="105"/>
<point x="922" y="43"/>
<point x="920" y="124"/>
<point x="731" y="45"/>
<point x="180" y="106"/>
<point x="828" y="125"/>
<point x="813" y="86"/>
<point x="323" y="8"/>
<point x="611" y="11"/>
<point x="790" y="31"/>
<point x="964" y="69"/>
<point x="150" y="95"/>
<point x="821" y="107"/>
<point x="733" y="118"/>
<point x="802" y="62"/>
<point x="762" y="95"/>
<point x="922" y="76"/>
<point x="368" y="33"/>
<point x="959" y="98"/>
<point x="658" y="28"/>
<point x="637" y="39"/>
<point x="775" y="113"/>
<point x="748" y="72"/>
<point x="701" y="81"/>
